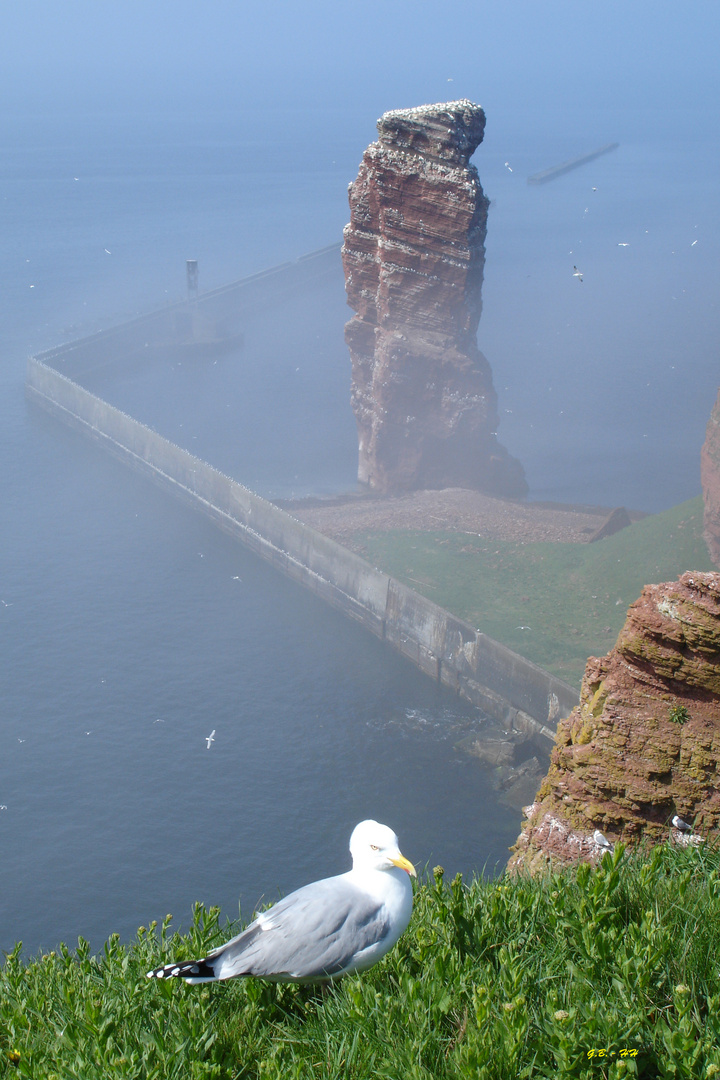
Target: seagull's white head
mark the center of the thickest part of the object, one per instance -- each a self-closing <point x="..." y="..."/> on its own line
<point x="375" y="847"/>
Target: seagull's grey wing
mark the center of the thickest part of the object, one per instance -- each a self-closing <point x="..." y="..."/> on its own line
<point x="310" y="934"/>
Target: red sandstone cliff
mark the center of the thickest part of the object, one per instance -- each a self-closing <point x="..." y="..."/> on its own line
<point x="413" y="255"/>
<point x="644" y="742"/>
<point x="710" y="477"/>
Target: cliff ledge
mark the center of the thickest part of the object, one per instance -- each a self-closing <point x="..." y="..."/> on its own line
<point x="644" y="743"/>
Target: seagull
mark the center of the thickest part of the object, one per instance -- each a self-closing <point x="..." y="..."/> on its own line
<point x="523" y="627"/>
<point x="209" y="739"/>
<point x="577" y="273"/>
<point x="507" y="166"/>
<point x="5" y="603"/>
<point x="680" y="825"/>
<point x="621" y="243"/>
<point x="602" y="841"/>
<point x="329" y="928"/>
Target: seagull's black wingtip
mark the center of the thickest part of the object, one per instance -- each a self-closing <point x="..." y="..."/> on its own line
<point x="188" y="969"/>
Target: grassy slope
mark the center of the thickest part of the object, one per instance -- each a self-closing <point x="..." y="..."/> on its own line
<point x="574" y="597"/>
<point x="496" y="979"/>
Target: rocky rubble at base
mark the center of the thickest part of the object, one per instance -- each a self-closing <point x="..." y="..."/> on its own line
<point x="643" y="745"/>
<point x="516" y="762"/>
<point x="413" y="255"/>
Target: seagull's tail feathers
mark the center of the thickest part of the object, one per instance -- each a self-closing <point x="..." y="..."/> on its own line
<point x="192" y="971"/>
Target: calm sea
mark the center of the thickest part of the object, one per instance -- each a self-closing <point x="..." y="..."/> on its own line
<point x="131" y="628"/>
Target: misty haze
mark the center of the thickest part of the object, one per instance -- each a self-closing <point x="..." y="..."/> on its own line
<point x="132" y="627"/>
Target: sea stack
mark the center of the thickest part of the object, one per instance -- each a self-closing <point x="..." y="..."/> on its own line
<point x="643" y="745"/>
<point x="710" y="479"/>
<point x="413" y="256"/>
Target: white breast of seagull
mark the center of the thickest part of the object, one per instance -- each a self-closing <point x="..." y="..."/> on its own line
<point x="392" y="891"/>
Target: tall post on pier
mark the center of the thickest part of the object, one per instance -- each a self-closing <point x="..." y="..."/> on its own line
<point x="192" y="278"/>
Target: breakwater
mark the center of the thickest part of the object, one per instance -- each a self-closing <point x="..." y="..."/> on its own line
<point x="500" y="682"/>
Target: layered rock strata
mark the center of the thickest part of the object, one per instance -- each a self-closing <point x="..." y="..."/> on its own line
<point x="413" y="256"/>
<point x="710" y="477"/>
<point x="643" y="745"/>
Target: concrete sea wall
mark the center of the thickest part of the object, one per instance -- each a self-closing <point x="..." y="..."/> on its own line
<point x="502" y="683"/>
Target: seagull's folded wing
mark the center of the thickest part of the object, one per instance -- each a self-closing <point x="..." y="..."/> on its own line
<point x="312" y="933"/>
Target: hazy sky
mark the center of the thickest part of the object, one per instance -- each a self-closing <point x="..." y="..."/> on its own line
<point x="378" y="54"/>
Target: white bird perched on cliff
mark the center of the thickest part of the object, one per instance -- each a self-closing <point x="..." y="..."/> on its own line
<point x="680" y="825"/>
<point x="329" y="928"/>
<point x="602" y="841"/>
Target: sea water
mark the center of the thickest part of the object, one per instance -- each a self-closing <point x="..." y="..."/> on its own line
<point x="132" y="628"/>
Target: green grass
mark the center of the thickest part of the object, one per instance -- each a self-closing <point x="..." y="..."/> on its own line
<point x="515" y="978"/>
<point x="574" y="597"/>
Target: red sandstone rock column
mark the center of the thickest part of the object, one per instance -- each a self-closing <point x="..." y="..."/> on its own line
<point x="413" y="255"/>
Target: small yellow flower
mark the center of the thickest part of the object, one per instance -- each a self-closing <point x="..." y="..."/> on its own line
<point x="682" y="989"/>
<point x="561" y="1015"/>
<point x="508" y="1006"/>
<point x="13" y="1056"/>
<point x="712" y="1070"/>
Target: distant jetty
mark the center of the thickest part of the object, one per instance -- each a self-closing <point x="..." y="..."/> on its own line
<point x="575" y="163"/>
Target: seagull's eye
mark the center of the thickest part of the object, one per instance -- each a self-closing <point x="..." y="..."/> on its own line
<point x="374" y="847"/>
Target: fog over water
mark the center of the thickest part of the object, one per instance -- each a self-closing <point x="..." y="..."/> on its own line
<point x="133" y="140"/>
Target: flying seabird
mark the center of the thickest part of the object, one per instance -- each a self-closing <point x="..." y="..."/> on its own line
<point x="333" y="927"/>
<point x="577" y="273"/>
<point x="209" y="739"/>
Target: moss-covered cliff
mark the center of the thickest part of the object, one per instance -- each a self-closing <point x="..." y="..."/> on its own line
<point x="644" y="742"/>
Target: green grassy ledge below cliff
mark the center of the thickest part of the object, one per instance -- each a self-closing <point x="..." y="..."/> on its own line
<point x="555" y="604"/>
<point x="513" y="978"/>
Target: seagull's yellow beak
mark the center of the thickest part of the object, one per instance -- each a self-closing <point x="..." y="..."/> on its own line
<point x="404" y="864"/>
